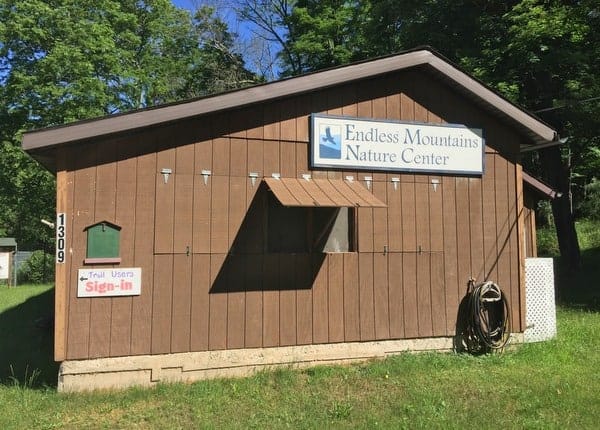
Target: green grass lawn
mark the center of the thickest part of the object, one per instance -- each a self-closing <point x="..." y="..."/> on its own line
<point x="552" y="384"/>
<point x="546" y="385"/>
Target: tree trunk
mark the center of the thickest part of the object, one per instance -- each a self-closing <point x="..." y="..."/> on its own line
<point x="557" y="175"/>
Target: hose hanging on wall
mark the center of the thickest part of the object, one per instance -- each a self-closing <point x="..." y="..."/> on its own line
<point x="487" y="318"/>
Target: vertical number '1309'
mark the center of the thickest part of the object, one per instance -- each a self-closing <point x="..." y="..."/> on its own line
<point x="60" y="237"/>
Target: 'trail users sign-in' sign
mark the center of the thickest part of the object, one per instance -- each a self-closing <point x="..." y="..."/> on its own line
<point x="397" y="146"/>
<point x="109" y="282"/>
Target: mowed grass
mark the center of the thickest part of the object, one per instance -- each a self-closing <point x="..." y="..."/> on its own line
<point x="546" y="385"/>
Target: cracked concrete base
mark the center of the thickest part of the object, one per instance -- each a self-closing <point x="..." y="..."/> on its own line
<point x="148" y="370"/>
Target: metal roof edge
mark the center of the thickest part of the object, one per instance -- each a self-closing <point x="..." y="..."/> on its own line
<point x="544" y="189"/>
<point x="134" y="120"/>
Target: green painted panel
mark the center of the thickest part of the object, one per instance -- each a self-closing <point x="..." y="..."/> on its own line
<point x="102" y="241"/>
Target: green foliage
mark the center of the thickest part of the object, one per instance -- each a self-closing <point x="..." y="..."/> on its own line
<point x="38" y="269"/>
<point x="547" y="243"/>
<point x="67" y="60"/>
<point x="590" y="207"/>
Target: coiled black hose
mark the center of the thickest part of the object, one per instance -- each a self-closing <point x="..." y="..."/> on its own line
<point x="488" y="318"/>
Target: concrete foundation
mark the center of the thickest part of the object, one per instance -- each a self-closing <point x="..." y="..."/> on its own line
<point x="149" y="370"/>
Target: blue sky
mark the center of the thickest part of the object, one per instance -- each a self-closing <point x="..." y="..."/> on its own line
<point x="256" y="56"/>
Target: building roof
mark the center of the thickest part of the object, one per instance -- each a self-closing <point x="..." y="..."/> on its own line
<point x="540" y="187"/>
<point x="8" y="242"/>
<point x="533" y="129"/>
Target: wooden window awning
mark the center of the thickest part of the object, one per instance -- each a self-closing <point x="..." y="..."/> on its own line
<point x="322" y="193"/>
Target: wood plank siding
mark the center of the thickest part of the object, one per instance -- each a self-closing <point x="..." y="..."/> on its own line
<point x="209" y="282"/>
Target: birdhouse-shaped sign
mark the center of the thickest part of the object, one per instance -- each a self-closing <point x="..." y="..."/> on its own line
<point x="103" y="241"/>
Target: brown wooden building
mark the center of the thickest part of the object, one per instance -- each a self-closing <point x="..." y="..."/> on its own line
<point x="245" y="262"/>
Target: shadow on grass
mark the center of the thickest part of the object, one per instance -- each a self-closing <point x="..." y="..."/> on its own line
<point x="581" y="289"/>
<point x="26" y="343"/>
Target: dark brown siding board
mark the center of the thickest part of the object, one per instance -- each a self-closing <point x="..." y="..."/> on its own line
<point x="253" y="312"/>
<point x="202" y="210"/>
<point x="365" y="229"/>
<point x="303" y="109"/>
<point x="396" y="296"/>
<point x="288" y="159"/>
<point x="392" y="102"/>
<point x="271" y="130"/>
<point x="381" y="295"/>
<point x="394" y="217"/>
<point x="217" y="337"/>
<point x="236" y="313"/>
<point x="271" y="158"/>
<point x="202" y="197"/>
<point x="409" y="283"/>
<point x="490" y="239"/>
<point x="518" y="294"/>
<point x="161" y="304"/>
<point x="351" y="298"/>
<point x="287" y="302"/>
<point x="409" y="240"/>
<point x="423" y="230"/>
<point x="367" y="310"/>
<point x="301" y="159"/>
<point x="141" y="329"/>
<point x="125" y="216"/>
<point x="503" y="220"/>
<point x="270" y="276"/>
<point x="203" y="156"/>
<point x="335" y="278"/>
<point x="255" y="157"/>
<point x="438" y="304"/>
<point x="64" y="204"/>
<point x="164" y="203"/>
<point x="303" y="300"/>
<point x="219" y="219"/>
<point x="438" y="296"/>
<point x="463" y="234"/>
<point x="334" y="100"/>
<point x="436" y="215"/>
<point x="407" y="108"/>
<point x="221" y="156"/>
<point x="199" y="302"/>
<point x="476" y="224"/>
<point x="424" y="295"/>
<point x="288" y="119"/>
<point x="236" y="301"/>
<point x="452" y="286"/>
<point x="320" y="311"/>
<point x="256" y="114"/>
<point x="254" y="302"/>
<point x="183" y="232"/>
<point x="182" y="294"/>
<point x="78" y="334"/>
<point x="237" y="207"/>
<point x="380" y="218"/>
<point x="104" y="209"/>
<point x="239" y="157"/>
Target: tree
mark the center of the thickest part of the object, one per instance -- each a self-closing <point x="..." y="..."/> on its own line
<point x="66" y="60"/>
<point x="541" y="54"/>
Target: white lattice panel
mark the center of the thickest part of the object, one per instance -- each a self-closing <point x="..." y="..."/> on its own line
<point x="539" y="299"/>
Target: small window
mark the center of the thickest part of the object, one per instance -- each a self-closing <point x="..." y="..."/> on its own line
<point x="103" y="241"/>
<point x="309" y="229"/>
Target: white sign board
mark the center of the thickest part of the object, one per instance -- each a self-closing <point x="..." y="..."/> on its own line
<point x="4" y="264"/>
<point x="342" y="142"/>
<point x="109" y="282"/>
